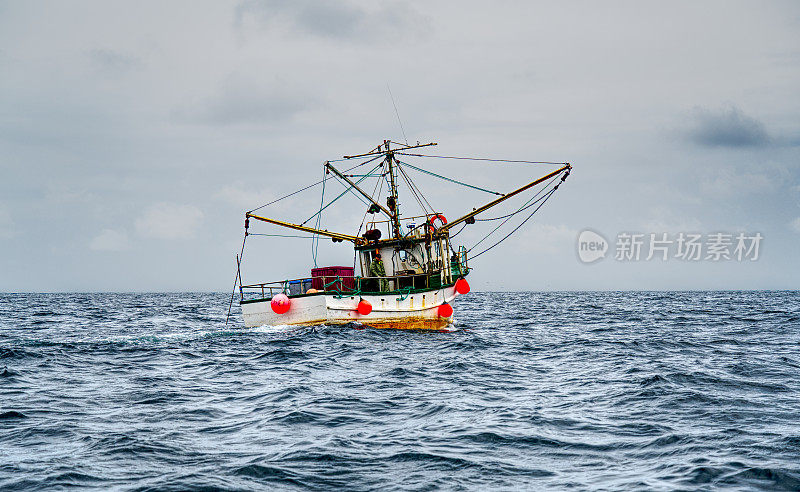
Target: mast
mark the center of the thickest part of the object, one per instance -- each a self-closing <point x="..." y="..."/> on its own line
<point x="394" y="206"/>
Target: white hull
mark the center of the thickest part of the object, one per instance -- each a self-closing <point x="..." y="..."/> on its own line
<point x="389" y="310"/>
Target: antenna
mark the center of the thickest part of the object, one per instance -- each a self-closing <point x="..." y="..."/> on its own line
<point x="397" y="113"/>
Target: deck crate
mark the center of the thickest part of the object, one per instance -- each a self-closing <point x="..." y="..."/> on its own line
<point x="325" y="275"/>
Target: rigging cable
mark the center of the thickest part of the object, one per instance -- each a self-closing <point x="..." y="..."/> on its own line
<point x="311" y="185"/>
<point x="378" y="182"/>
<point x="376" y="198"/>
<point x="413" y="192"/>
<point x="238" y="277"/>
<point x="397" y="113"/>
<point x="463" y="226"/>
<point x="348" y="189"/>
<point x="414" y="186"/>
<point x="315" y="237"/>
<point x="523" y="207"/>
<point x="546" y="197"/>
<point x="280" y="235"/>
<point x="450" y="179"/>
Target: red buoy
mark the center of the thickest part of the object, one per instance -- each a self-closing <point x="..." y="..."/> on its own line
<point x="280" y="303"/>
<point x="462" y="286"/>
<point x="364" y="307"/>
<point x="445" y="310"/>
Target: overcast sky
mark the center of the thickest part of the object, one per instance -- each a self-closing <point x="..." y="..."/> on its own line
<point x="134" y="135"/>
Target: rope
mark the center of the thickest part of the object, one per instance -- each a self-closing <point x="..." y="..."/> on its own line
<point x="413" y="192"/>
<point x="366" y="212"/>
<point x="332" y="283"/>
<point x="348" y="189"/>
<point x="480" y="159"/>
<point x="280" y="235"/>
<point x="237" y="278"/>
<point x="357" y="195"/>
<point x="415" y="187"/>
<point x="311" y="186"/>
<point x="315" y="237"/>
<point x="398" y="114"/>
<point x="463" y="226"/>
<point x="450" y="179"/>
<point x="364" y="219"/>
<point x="290" y="194"/>
<point x="523" y="207"/>
<point x="340" y="294"/>
<point x="403" y="297"/>
<point x="547" y="196"/>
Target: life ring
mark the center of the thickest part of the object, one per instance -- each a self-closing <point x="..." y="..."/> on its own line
<point x="433" y="218"/>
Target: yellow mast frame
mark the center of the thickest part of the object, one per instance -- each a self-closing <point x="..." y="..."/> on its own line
<point x="334" y="235"/>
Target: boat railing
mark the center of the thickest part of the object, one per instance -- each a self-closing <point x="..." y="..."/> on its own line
<point x="269" y="289"/>
<point x="351" y="285"/>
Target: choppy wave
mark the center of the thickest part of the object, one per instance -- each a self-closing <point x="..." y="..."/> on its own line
<point x="647" y="390"/>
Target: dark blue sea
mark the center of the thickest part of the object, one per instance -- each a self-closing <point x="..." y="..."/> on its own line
<point x="601" y="391"/>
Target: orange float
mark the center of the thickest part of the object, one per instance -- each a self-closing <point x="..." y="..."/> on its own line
<point x="280" y="303"/>
<point x="364" y="307"/>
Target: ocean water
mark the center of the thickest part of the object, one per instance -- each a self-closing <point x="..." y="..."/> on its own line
<point x="614" y="391"/>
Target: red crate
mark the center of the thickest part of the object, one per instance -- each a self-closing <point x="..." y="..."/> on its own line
<point x="325" y="275"/>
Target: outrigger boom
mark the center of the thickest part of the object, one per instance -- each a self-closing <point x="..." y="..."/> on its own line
<point x="505" y="197"/>
<point x="298" y="227"/>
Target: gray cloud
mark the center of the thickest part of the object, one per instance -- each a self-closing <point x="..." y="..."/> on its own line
<point x="127" y="155"/>
<point x="786" y="140"/>
<point x="113" y="61"/>
<point x="110" y="240"/>
<point x="727" y="128"/>
<point x="247" y="102"/>
<point x="6" y="223"/>
<point x="336" y="20"/>
<point x="165" y="221"/>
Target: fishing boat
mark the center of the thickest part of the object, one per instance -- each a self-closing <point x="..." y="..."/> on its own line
<point x="405" y="272"/>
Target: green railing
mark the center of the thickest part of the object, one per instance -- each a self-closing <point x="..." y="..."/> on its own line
<point x="401" y="285"/>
